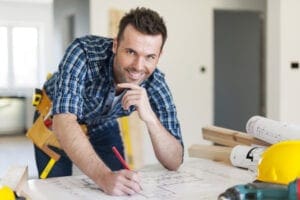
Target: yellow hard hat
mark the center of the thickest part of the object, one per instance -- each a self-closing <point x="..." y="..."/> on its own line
<point x="280" y="163"/>
<point x="6" y="193"/>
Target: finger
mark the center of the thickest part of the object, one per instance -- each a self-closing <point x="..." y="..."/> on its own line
<point x="116" y="190"/>
<point x="128" y="190"/>
<point x="128" y="85"/>
<point x="131" y="100"/>
<point x="132" y="185"/>
<point x="133" y="92"/>
<point x="135" y="177"/>
<point x="131" y="95"/>
<point x="127" y="98"/>
<point x="130" y="180"/>
<point x="120" y="187"/>
<point x="131" y="175"/>
<point x="141" y="92"/>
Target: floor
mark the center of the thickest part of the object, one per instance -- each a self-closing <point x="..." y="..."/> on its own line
<point x="18" y="150"/>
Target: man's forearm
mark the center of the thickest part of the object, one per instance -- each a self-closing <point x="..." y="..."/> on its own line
<point x="75" y="143"/>
<point x="167" y="149"/>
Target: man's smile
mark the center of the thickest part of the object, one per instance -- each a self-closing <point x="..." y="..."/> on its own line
<point x="135" y="75"/>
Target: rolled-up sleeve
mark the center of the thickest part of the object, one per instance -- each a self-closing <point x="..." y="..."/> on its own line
<point x="163" y="105"/>
<point x="69" y="84"/>
<point x="166" y="111"/>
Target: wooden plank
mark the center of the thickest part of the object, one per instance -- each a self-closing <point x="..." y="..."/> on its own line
<point x="212" y="152"/>
<point x="229" y="137"/>
<point x="16" y="179"/>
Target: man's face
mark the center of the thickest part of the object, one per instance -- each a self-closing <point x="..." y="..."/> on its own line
<point x="136" y="56"/>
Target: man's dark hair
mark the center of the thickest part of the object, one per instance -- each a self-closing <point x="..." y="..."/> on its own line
<point x="145" y="21"/>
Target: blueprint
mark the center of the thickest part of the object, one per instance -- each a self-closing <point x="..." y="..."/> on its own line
<point x="196" y="179"/>
<point x="272" y="131"/>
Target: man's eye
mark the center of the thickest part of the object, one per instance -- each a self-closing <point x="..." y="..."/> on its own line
<point x="151" y="57"/>
<point x="130" y="52"/>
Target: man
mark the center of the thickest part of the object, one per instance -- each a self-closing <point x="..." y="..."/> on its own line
<point x="100" y="79"/>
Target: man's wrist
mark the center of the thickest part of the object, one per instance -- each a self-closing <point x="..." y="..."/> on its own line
<point x="152" y="121"/>
<point x="102" y="176"/>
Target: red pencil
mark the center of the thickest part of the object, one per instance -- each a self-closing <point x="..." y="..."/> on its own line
<point x="120" y="158"/>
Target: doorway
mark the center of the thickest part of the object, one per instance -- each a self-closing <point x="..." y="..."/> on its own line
<point x="239" y="74"/>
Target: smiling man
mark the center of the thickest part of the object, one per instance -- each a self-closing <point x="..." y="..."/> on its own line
<point x="101" y="79"/>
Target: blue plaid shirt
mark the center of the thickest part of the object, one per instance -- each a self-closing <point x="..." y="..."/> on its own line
<point x="84" y="86"/>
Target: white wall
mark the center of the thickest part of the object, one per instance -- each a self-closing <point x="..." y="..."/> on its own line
<point x="284" y="47"/>
<point x="189" y="46"/>
<point x="290" y="52"/>
<point x="273" y="33"/>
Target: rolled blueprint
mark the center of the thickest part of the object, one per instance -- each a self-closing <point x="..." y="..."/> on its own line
<point x="246" y="156"/>
<point x="272" y="131"/>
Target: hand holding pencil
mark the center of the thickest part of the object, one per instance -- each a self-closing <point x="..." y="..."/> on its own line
<point x="123" y="162"/>
<point x="122" y="182"/>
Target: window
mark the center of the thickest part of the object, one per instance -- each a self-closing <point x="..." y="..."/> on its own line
<point x="18" y="57"/>
<point x="3" y="57"/>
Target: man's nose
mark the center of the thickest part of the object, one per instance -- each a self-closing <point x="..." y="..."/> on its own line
<point x="139" y="63"/>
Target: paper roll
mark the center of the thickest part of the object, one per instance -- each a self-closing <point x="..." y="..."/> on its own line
<point x="246" y="156"/>
<point x="272" y="131"/>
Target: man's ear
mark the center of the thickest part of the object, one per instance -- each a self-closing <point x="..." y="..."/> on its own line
<point x="115" y="45"/>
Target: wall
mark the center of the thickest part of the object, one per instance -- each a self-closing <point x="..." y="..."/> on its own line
<point x="290" y="52"/>
<point x="32" y="13"/>
<point x="188" y="48"/>
<point x="273" y="33"/>
<point x="283" y="46"/>
<point x="63" y="9"/>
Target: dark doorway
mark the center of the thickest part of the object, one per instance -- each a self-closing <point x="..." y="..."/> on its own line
<point x="239" y="69"/>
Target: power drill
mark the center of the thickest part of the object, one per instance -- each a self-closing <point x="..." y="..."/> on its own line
<point x="263" y="191"/>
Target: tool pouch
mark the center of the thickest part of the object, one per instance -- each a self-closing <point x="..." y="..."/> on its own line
<point x="40" y="133"/>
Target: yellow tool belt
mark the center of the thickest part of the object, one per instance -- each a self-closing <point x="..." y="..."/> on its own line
<point x="41" y="135"/>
